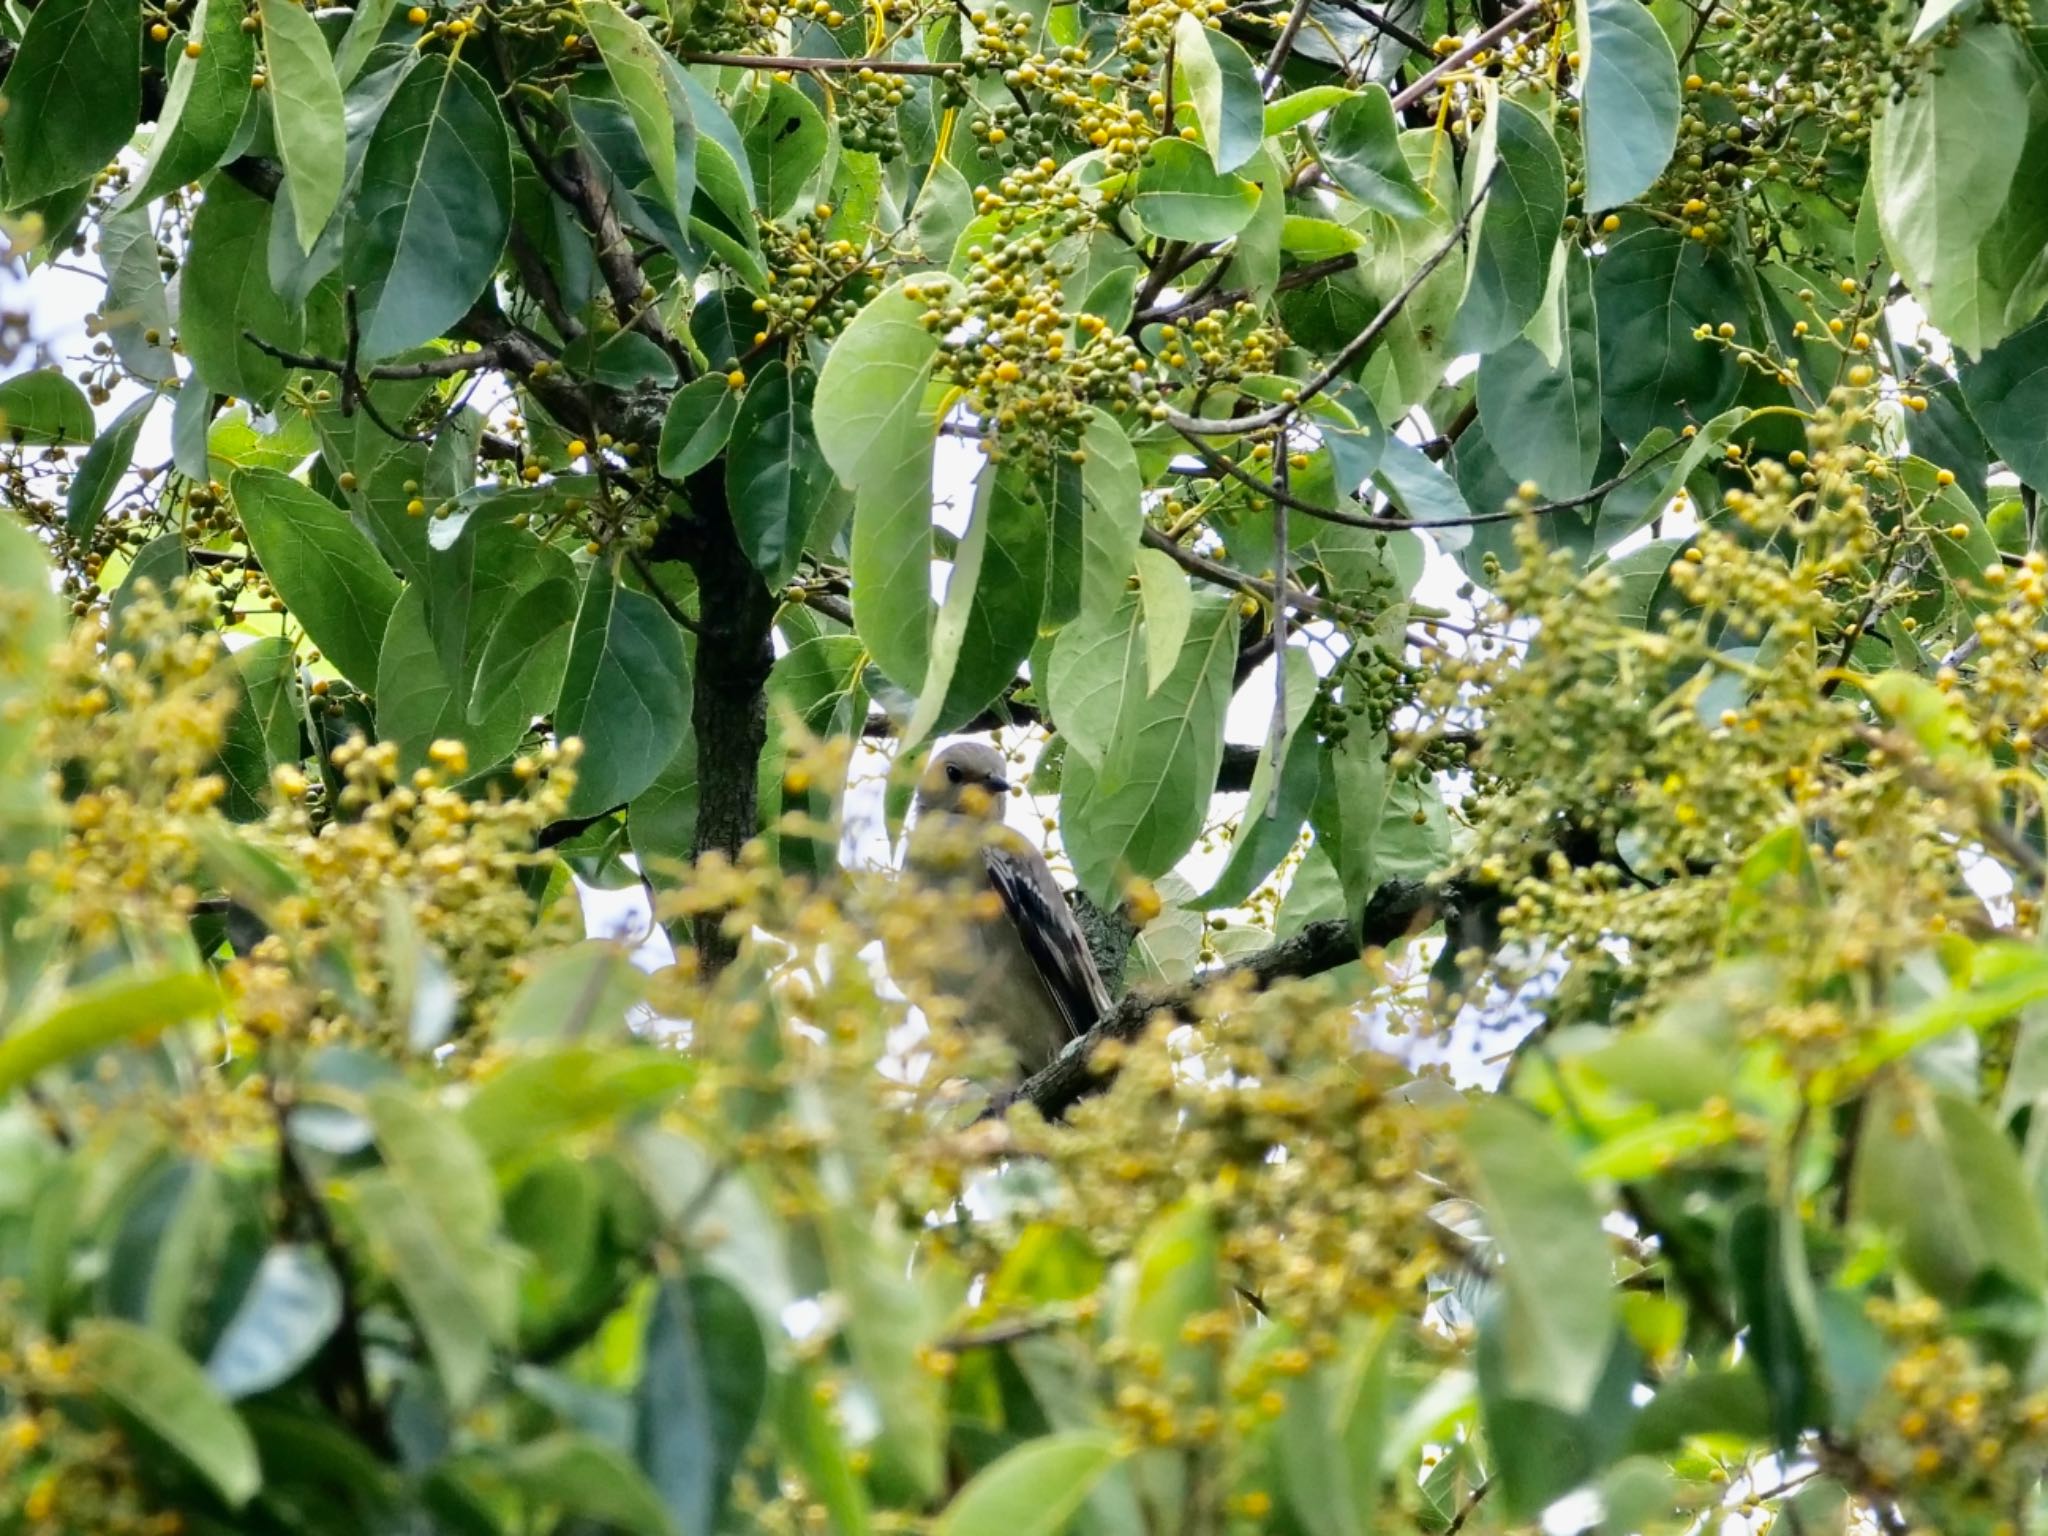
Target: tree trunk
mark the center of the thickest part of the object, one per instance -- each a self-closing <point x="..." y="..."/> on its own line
<point x="730" y="704"/>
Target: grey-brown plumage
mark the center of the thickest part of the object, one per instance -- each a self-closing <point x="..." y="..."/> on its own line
<point x="1022" y="965"/>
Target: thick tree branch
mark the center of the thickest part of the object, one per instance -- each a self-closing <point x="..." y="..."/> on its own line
<point x="1396" y="909"/>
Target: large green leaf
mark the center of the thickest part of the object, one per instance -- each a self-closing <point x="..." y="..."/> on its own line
<point x="1653" y="289"/>
<point x="1543" y="420"/>
<point x="1628" y="99"/>
<point x="633" y="61"/>
<point x="1179" y="195"/>
<point x="100" y="1014"/>
<point x="337" y="585"/>
<point x="1514" y="232"/>
<point x="1935" y="1169"/>
<point x="523" y="659"/>
<point x="1032" y="1490"/>
<point x="150" y="1379"/>
<point x="2007" y="389"/>
<point x="699" y="423"/>
<point x="786" y="143"/>
<point x="989" y="619"/>
<point x="100" y="471"/>
<point x="225" y="292"/>
<point x="1217" y="78"/>
<point x="138" y="304"/>
<point x="702" y="1390"/>
<point x="876" y="432"/>
<point x="74" y="90"/>
<point x="1279" y="800"/>
<point x="206" y="102"/>
<point x="1359" y="145"/>
<point x="775" y="478"/>
<point x="263" y="733"/>
<point x="434" y="207"/>
<point x="1944" y="157"/>
<point x="1143" y="808"/>
<point x="306" y="114"/>
<point x="625" y="692"/>
<point x="405" y="1244"/>
<point x="1557" y="1316"/>
<point x="292" y="1306"/>
<point x="43" y="406"/>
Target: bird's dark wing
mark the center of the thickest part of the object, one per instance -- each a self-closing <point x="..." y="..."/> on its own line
<point x="1052" y="938"/>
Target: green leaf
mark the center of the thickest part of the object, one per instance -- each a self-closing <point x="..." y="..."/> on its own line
<point x="1652" y="289"/>
<point x="786" y="145"/>
<point x="1359" y="145"/>
<point x="889" y="1322"/>
<point x="306" y="114"/>
<point x="43" y="406"/>
<point x="2007" y="390"/>
<point x="702" y="1390"/>
<point x="1933" y="1168"/>
<point x="1265" y="832"/>
<point x="1543" y="421"/>
<point x="1034" y="1489"/>
<point x="427" y="1153"/>
<point x="225" y="290"/>
<point x="264" y="731"/>
<point x="1217" y="77"/>
<point x="1558" y="1319"/>
<point x="292" y="1306"/>
<point x="330" y="575"/>
<point x="405" y="1243"/>
<point x="1944" y="157"/>
<point x="207" y="99"/>
<point x="1112" y="518"/>
<point x="633" y="61"/>
<point x="1179" y="195"/>
<point x="699" y="422"/>
<point x="431" y="215"/>
<point x="1095" y="660"/>
<point x="544" y="1097"/>
<point x="137" y="301"/>
<point x="661" y="821"/>
<point x="100" y="1014"/>
<point x="74" y="90"/>
<point x="1177" y="1277"/>
<point x="775" y="479"/>
<point x="588" y="988"/>
<point x="1423" y="492"/>
<point x="523" y="661"/>
<point x="876" y="432"/>
<point x="1142" y="809"/>
<point x="1293" y="110"/>
<point x="1514" y="233"/>
<point x="625" y="693"/>
<point x="988" y="622"/>
<point x="1167" y="601"/>
<point x="156" y="1383"/>
<point x="1937" y="14"/>
<point x="581" y="1476"/>
<point x="100" y="471"/>
<point x="1628" y="99"/>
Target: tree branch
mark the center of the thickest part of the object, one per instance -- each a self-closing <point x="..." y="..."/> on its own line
<point x="1397" y="909"/>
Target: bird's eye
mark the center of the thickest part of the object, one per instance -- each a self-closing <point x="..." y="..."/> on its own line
<point x="952" y="773"/>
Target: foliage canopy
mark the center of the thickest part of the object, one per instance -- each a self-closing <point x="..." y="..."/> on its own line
<point x="513" y="453"/>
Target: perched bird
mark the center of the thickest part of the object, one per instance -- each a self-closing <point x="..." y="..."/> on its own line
<point x="1020" y="963"/>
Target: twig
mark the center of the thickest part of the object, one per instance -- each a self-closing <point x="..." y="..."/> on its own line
<point x="1351" y="351"/>
<point x="1396" y="909"/>
<point x="1408" y="95"/>
<point x="1283" y="46"/>
<point x="818" y="66"/>
<point x="1218" y="574"/>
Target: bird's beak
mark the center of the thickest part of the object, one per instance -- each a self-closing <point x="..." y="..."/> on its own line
<point x="1000" y="786"/>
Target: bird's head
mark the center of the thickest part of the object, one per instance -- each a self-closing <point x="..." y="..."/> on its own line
<point x="969" y="778"/>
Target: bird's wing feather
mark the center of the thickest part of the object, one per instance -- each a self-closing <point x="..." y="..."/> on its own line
<point x="1050" y="935"/>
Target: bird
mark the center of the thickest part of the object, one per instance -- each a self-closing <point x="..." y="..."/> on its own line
<point x="1019" y="965"/>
